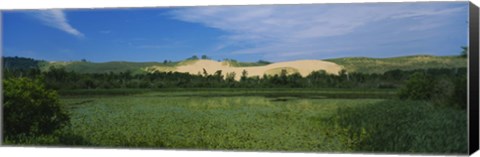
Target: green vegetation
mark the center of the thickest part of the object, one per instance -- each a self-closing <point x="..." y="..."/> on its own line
<point x="107" y="67"/>
<point x="381" y="65"/>
<point x="312" y="120"/>
<point x="17" y="63"/>
<point x="278" y="71"/>
<point x="208" y="122"/>
<point x="447" y="90"/>
<point x="401" y="127"/>
<point x="235" y="63"/>
<point x="390" y="107"/>
<point x="418" y="87"/>
<point x="356" y="64"/>
<point x="30" y="109"/>
<point x="59" y="78"/>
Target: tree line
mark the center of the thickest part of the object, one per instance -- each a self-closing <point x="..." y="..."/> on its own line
<point x="59" y="78"/>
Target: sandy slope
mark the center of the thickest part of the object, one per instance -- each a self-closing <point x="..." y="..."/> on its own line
<point x="304" y="67"/>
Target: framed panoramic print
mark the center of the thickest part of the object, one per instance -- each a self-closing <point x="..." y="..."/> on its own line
<point x="394" y="78"/>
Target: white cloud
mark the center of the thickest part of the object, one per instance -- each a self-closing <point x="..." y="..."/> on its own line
<point x="58" y="20"/>
<point x="282" y="30"/>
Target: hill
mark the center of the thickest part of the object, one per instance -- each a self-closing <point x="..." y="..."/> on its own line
<point x="193" y="66"/>
<point x="381" y="65"/>
<point x="19" y="63"/>
<point x="106" y="67"/>
<point x="303" y="67"/>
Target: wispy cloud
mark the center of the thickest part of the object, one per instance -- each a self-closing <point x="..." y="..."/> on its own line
<point x="284" y="30"/>
<point x="57" y="19"/>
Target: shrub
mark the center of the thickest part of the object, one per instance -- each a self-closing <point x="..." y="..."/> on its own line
<point x="418" y="87"/>
<point x="30" y="109"/>
<point x="444" y="90"/>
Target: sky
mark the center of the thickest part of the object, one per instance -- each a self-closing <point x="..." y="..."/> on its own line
<point x="245" y="33"/>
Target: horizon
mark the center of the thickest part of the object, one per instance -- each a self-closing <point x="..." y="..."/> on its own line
<point x="226" y="59"/>
<point x="273" y="33"/>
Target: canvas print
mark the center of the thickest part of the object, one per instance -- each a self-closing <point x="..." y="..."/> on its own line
<point x="324" y="78"/>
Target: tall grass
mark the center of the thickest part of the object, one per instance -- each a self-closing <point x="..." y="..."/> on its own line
<point x="402" y="127"/>
<point x="177" y="119"/>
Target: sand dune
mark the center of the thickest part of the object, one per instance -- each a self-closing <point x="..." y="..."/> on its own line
<point x="304" y="67"/>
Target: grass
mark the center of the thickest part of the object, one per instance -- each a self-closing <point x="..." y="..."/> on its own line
<point x="278" y="71"/>
<point x="241" y="123"/>
<point x="245" y="64"/>
<point x="304" y="120"/>
<point x="402" y="127"/>
<point x="381" y="65"/>
<point x="229" y="92"/>
<point x="106" y="67"/>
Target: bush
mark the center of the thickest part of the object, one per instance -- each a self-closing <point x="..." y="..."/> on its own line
<point x="30" y="109"/>
<point x="444" y="90"/>
<point x="418" y="87"/>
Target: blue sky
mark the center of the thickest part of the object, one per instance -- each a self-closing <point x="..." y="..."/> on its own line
<point x="245" y="33"/>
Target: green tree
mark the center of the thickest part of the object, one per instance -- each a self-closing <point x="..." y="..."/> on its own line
<point x="230" y="77"/>
<point x="218" y="75"/>
<point x="263" y="62"/>
<point x="418" y="87"/>
<point x="205" y="73"/>
<point x="244" y="75"/>
<point x="194" y="57"/>
<point x="30" y="109"/>
<point x="283" y="76"/>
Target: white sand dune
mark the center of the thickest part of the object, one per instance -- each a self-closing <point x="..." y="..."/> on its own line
<point x="303" y="67"/>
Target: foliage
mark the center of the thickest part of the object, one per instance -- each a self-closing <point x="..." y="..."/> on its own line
<point x="441" y="89"/>
<point x="194" y="57"/>
<point x="235" y="63"/>
<point x="30" y="109"/>
<point x="232" y="119"/>
<point x="60" y="78"/>
<point x="460" y="92"/>
<point x="401" y="127"/>
<point x="179" y="120"/>
<point x="418" y="87"/>
<point x="382" y="65"/>
<point x="205" y="57"/>
<point x="16" y="63"/>
<point x="358" y="64"/>
<point x="319" y="112"/>
<point x="106" y="67"/>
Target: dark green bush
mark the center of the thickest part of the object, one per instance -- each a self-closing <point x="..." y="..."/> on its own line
<point x="418" y="87"/>
<point x="442" y="90"/>
<point x="30" y="109"/>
